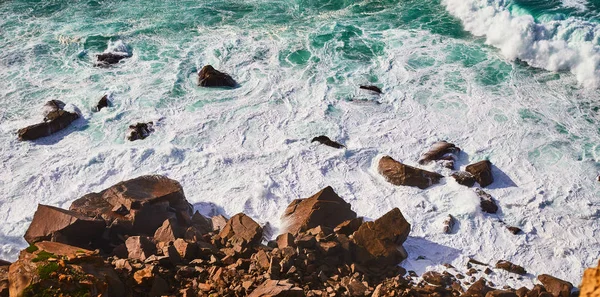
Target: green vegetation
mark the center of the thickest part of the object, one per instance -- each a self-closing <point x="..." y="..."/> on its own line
<point x="43" y="256"/>
<point x="46" y="270"/>
<point x="32" y="248"/>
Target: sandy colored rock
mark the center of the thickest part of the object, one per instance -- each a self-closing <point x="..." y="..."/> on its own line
<point x="590" y="284"/>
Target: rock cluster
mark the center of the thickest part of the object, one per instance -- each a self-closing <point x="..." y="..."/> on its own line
<point x="141" y="237"/>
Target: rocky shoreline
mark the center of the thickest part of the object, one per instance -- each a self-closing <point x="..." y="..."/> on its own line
<point x="141" y="238"/>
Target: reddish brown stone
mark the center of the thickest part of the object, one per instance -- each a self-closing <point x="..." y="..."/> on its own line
<point x="285" y="240"/>
<point x="556" y="286"/>
<point x="482" y="172"/>
<point x="403" y="175"/>
<point x="140" y="247"/>
<point x="510" y="267"/>
<point x="242" y="230"/>
<point x="349" y="226"/>
<point x="277" y="288"/>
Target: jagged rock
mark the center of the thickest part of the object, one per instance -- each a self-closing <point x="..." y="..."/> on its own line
<point x="54" y="122"/>
<point x="464" y="178"/>
<point x="140" y="131"/>
<point x="285" y="240"/>
<point x="56" y="269"/>
<point x="449" y="223"/>
<point x="144" y="275"/>
<point x="404" y="175"/>
<point x="380" y="242"/>
<point x="54" y="224"/>
<point x="537" y="291"/>
<point x="52" y="106"/>
<point x="169" y="231"/>
<point x="277" y="288"/>
<point x="556" y="286"/>
<point x="354" y="287"/>
<point x="102" y="103"/>
<point x="440" y="150"/>
<point x="242" y="230"/>
<point x="349" y="226"/>
<point x="375" y="89"/>
<point x="201" y="223"/>
<point x="510" y="267"/>
<point x="326" y="141"/>
<point x="590" y="284"/>
<point x="305" y="241"/>
<point x="105" y="59"/>
<point x="218" y="222"/>
<point x="501" y="293"/>
<point x="522" y="292"/>
<point x="436" y="278"/>
<point x="325" y="208"/>
<point x="482" y="172"/>
<point x="486" y="201"/>
<point x="477" y="289"/>
<point x="140" y="247"/>
<point x="147" y="200"/>
<point x="185" y="249"/>
<point x="209" y="77"/>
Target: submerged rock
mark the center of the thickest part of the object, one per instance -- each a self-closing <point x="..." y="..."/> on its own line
<point x="404" y="175"/>
<point x="326" y="141"/>
<point x="140" y="131"/>
<point x="375" y="89"/>
<point x="103" y="103"/>
<point x="486" y="201"/>
<point x="210" y="77"/>
<point x="482" y="172"/>
<point x="106" y="59"/>
<point x="449" y="223"/>
<point x="441" y="150"/>
<point x="324" y="208"/>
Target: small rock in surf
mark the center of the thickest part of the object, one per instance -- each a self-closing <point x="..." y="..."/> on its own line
<point x="210" y="77"/>
<point x="140" y="131"/>
<point x="326" y="141"/>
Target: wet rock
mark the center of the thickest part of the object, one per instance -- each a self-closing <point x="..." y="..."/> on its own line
<point x="52" y="106"/>
<point x="375" y="89"/>
<point x="482" y="172"/>
<point x="325" y="208"/>
<point x="326" y="141"/>
<point x="440" y="150"/>
<point x="486" y="201"/>
<point x="54" y="122"/>
<point x="464" y="178"/>
<point x="449" y="223"/>
<point x="349" y="226"/>
<point x="510" y="267"/>
<point x="590" y="284"/>
<point x="277" y="288"/>
<point x="140" y="247"/>
<point x="501" y="293"/>
<point x="380" y="242"/>
<point x="102" y="103"/>
<point x="404" y="175"/>
<point x="242" y="230"/>
<point x="105" y="59"/>
<point x="209" y="77"/>
<point x="514" y="230"/>
<point x="54" y="224"/>
<point x="557" y="287"/>
<point x="140" y="131"/>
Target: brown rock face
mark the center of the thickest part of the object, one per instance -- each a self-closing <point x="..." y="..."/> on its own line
<point x="136" y="206"/>
<point x="54" y="122"/>
<point x="404" y="175"/>
<point x="482" y="171"/>
<point x="60" y="270"/>
<point x="555" y="286"/>
<point x="242" y="230"/>
<point x="501" y="293"/>
<point x="590" y="284"/>
<point x="510" y="267"/>
<point x="380" y="242"/>
<point x="4" y="280"/>
<point x="52" y="223"/>
<point x="209" y="77"/>
<point x="325" y="209"/>
<point x="140" y="131"/>
<point x="348" y="227"/>
<point x="277" y="288"/>
<point x="140" y="247"/>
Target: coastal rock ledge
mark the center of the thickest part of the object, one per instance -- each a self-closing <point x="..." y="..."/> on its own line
<point x="141" y="237"/>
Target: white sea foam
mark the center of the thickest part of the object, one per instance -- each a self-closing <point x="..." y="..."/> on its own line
<point x="570" y="44"/>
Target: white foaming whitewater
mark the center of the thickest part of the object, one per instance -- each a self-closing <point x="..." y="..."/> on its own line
<point x="559" y="45"/>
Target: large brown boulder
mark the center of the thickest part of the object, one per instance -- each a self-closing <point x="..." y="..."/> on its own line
<point x="277" y="288"/>
<point x="324" y="208"/>
<point x="210" y="77"/>
<point x="482" y="172"/>
<point x="556" y="286"/>
<point x="380" y="242"/>
<point x="54" y="224"/>
<point x="139" y="205"/>
<point x="242" y="230"/>
<point x="403" y="175"/>
<point x="54" y="122"/>
<point x="590" y="284"/>
<point x="56" y="269"/>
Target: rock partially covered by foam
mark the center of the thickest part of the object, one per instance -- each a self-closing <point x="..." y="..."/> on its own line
<point x="404" y="175"/>
<point x="324" y="208"/>
<point x="210" y="77"/>
<point x="140" y="131"/>
<point x="441" y="150"/>
<point x="326" y="141"/>
<point x="55" y="119"/>
<point x="115" y="52"/>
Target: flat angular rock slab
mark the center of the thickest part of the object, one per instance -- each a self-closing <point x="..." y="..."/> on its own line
<point x="404" y="175"/>
<point x="277" y="288"/>
<point x="210" y="77"/>
<point x="380" y="242"/>
<point x="54" y="122"/>
<point x="56" y="224"/>
<point x="482" y="172"/>
<point x="242" y="230"/>
<point x="324" y="208"/>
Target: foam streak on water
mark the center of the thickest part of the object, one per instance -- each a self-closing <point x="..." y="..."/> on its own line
<point x="299" y="65"/>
